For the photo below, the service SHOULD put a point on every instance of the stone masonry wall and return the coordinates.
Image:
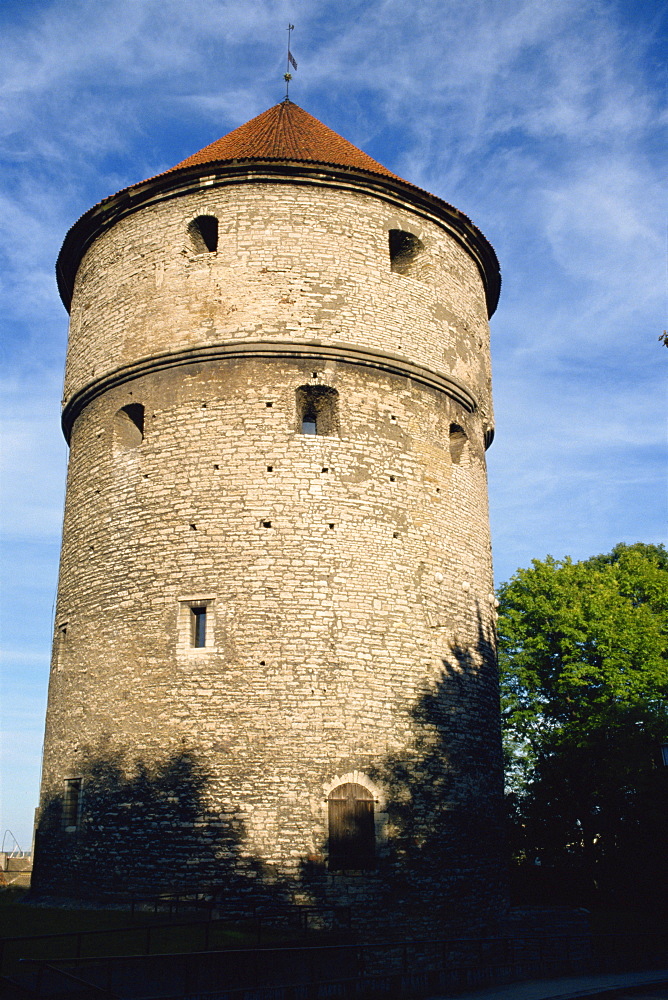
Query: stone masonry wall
(347, 577)
(293, 262)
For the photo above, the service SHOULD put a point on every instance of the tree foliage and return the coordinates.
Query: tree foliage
(583, 652)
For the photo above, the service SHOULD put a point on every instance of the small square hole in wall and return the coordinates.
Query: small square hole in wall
(216, 467)
(392, 479)
(270, 468)
(393, 419)
(331, 526)
(325, 469)
(266, 524)
(395, 534)
(268, 404)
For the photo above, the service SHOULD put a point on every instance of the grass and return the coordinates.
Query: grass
(18, 919)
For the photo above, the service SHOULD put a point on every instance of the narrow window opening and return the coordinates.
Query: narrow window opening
(405, 251)
(457, 443)
(203, 233)
(317, 410)
(72, 803)
(352, 835)
(61, 642)
(128, 430)
(198, 626)
(310, 421)
(196, 623)
(268, 404)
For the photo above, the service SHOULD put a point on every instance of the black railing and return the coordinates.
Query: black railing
(392, 969)
(311, 972)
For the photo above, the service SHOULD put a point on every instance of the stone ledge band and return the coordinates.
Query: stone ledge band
(393, 364)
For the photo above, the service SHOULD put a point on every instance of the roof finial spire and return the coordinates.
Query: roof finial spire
(287, 76)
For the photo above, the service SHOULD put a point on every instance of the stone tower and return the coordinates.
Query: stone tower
(273, 664)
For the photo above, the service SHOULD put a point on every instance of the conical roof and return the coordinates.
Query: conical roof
(285, 132)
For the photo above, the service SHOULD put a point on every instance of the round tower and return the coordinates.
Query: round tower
(273, 666)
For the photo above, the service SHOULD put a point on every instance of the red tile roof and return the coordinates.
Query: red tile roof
(285, 132)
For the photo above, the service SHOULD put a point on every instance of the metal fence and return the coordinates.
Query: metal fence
(191, 960)
(386, 969)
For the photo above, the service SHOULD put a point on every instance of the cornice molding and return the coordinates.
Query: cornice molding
(392, 364)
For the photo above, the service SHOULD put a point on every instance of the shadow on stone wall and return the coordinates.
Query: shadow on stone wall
(445, 847)
(149, 827)
(146, 827)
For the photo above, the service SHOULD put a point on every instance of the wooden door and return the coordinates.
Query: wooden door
(352, 835)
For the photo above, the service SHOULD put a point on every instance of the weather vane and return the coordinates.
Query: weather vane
(287, 76)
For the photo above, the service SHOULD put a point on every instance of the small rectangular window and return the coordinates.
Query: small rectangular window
(72, 803)
(196, 624)
(198, 621)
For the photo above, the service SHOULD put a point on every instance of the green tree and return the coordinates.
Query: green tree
(583, 653)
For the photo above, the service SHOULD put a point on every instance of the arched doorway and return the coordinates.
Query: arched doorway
(352, 834)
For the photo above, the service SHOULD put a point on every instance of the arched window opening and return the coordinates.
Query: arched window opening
(457, 443)
(352, 832)
(129, 427)
(317, 410)
(405, 251)
(203, 232)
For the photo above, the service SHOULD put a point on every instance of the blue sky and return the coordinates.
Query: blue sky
(543, 120)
